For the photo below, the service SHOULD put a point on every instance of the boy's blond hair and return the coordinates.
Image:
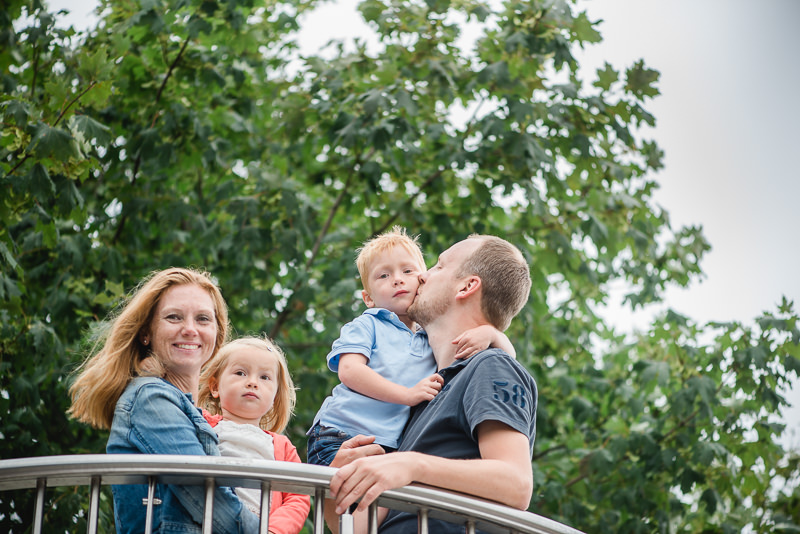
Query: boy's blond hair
(396, 237)
(277, 418)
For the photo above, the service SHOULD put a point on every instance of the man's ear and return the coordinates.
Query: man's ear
(469, 286)
(367, 299)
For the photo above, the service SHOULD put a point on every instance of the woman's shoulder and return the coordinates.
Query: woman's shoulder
(146, 386)
(138, 383)
(150, 397)
(149, 380)
(141, 382)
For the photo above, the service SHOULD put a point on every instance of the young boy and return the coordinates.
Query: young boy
(384, 361)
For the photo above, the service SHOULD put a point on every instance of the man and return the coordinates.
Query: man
(476, 436)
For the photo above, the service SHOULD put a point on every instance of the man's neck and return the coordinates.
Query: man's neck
(441, 336)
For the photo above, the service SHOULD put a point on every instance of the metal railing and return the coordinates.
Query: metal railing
(96, 470)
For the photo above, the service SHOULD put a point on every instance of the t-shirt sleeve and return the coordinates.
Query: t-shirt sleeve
(357, 336)
(504, 392)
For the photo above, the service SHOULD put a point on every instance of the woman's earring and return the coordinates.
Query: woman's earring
(145, 341)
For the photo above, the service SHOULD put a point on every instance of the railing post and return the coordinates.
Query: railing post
(346, 524)
(266, 494)
(422, 521)
(151, 495)
(373, 518)
(38, 514)
(94, 506)
(470, 527)
(208, 511)
(319, 510)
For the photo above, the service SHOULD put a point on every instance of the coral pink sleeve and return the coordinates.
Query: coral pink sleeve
(212, 419)
(288, 512)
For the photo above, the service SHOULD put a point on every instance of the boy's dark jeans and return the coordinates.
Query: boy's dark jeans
(323, 444)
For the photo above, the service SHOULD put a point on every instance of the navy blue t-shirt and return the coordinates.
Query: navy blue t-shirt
(490, 386)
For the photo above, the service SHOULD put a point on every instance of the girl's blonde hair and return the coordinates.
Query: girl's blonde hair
(277, 418)
(104, 375)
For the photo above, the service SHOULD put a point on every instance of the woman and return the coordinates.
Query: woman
(179, 318)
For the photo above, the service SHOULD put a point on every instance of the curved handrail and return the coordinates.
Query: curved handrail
(75, 470)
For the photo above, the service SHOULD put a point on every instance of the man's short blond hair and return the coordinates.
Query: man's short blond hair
(505, 276)
(396, 237)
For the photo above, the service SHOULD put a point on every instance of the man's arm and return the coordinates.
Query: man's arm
(355, 374)
(502, 474)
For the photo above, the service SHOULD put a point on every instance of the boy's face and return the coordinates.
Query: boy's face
(393, 281)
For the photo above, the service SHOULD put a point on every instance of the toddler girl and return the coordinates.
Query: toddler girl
(249, 397)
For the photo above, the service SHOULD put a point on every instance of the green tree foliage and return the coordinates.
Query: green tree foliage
(192, 132)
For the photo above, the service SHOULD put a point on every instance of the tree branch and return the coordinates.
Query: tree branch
(469, 125)
(58, 119)
(17, 166)
(72, 102)
(35, 72)
(283, 316)
(409, 201)
(157, 112)
(681, 424)
(548, 451)
(575, 480)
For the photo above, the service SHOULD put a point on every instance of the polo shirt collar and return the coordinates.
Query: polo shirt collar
(389, 316)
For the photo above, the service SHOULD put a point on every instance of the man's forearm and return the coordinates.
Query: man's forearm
(489, 479)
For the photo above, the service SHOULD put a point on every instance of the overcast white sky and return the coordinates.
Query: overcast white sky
(727, 119)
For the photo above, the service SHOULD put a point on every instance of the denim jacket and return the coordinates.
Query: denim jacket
(154, 417)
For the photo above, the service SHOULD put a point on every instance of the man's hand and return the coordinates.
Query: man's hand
(367, 478)
(355, 448)
(358, 447)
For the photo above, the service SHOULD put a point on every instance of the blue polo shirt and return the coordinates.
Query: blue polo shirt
(394, 352)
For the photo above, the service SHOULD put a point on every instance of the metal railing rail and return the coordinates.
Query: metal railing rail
(95, 470)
